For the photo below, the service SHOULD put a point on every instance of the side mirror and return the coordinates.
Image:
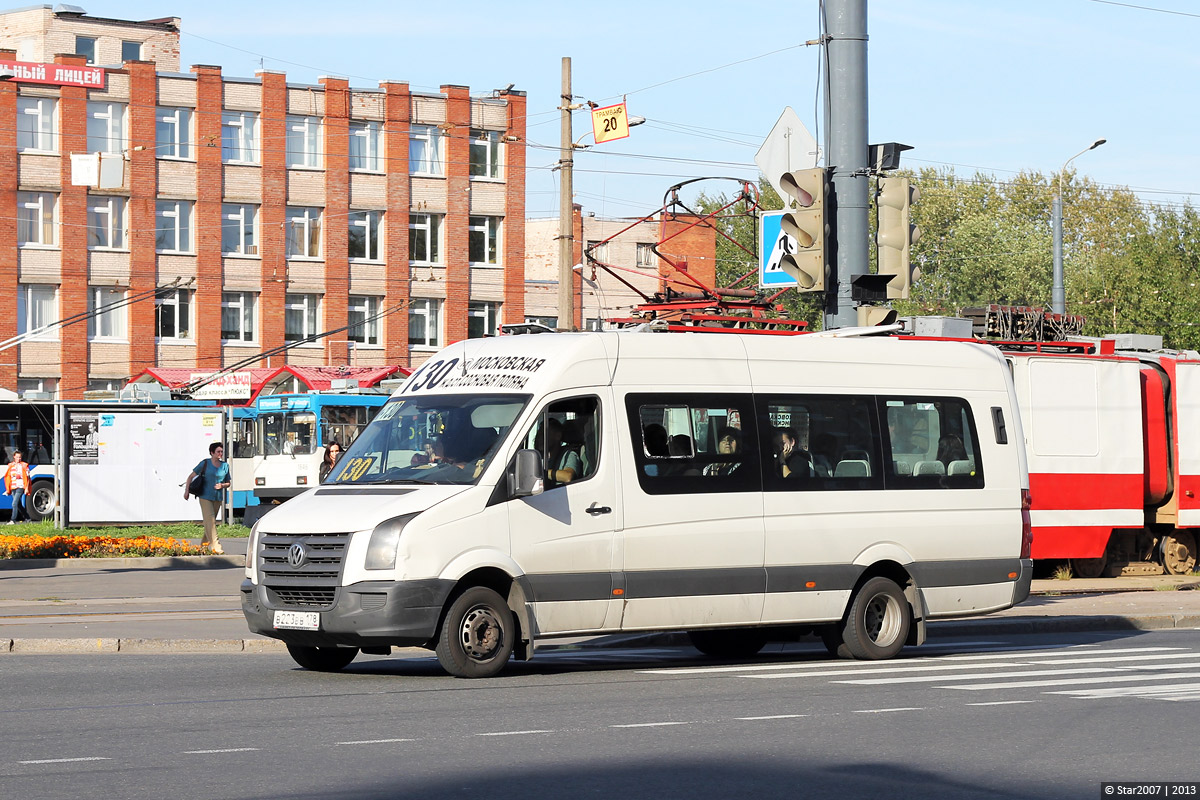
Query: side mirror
(527, 475)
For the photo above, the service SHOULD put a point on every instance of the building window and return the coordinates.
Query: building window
(364, 235)
(131, 51)
(237, 316)
(48, 386)
(300, 316)
(482, 319)
(598, 251)
(37, 307)
(35, 124)
(424, 324)
(107, 313)
(545, 322)
(364, 146)
(303, 142)
(425, 238)
(239, 137)
(483, 242)
(425, 150)
(35, 219)
(239, 229)
(173, 312)
(304, 233)
(106, 384)
(645, 256)
(106, 222)
(173, 129)
(174, 226)
(485, 154)
(364, 322)
(105, 127)
(86, 46)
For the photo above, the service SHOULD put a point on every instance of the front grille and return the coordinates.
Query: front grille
(311, 584)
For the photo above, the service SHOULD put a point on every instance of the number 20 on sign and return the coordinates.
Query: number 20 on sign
(609, 123)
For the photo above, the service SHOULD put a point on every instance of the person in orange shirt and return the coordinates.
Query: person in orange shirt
(16, 483)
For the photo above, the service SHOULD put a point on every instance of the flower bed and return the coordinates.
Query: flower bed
(95, 547)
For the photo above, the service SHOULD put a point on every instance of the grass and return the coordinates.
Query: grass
(1167, 587)
(42, 540)
(178, 530)
(1063, 573)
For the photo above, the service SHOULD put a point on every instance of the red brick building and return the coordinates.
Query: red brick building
(241, 214)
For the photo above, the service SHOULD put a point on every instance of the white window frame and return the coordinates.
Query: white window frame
(490, 228)
(309, 305)
(368, 135)
(112, 118)
(422, 308)
(47, 385)
(244, 304)
(239, 137)
(363, 313)
(174, 218)
(488, 311)
(44, 130)
(234, 215)
(373, 245)
(170, 298)
(37, 306)
(301, 223)
(107, 325)
(645, 257)
(303, 148)
(38, 210)
(428, 227)
(176, 122)
(140, 50)
(486, 156)
(106, 220)
(429, 139)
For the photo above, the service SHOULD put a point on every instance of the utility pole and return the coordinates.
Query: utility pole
(566, 209)
(846, 149)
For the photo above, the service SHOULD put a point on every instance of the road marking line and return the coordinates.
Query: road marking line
(378, 741)
(65, 760)
(649, 724)
(1184, 692)
(886, 710)
(226, 750)
(1124, 676)
(773, 716)
(859, 671)
(1002, 703)
(1093, 660)
(511, 733)
(986, 675)
(1121, 650)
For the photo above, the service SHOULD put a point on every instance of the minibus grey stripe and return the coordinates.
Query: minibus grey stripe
(826, 577)
(562, 587)
(930, 574)
(695, 582)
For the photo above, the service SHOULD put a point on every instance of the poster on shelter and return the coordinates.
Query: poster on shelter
(85, 438)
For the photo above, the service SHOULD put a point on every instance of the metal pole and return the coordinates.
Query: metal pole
(846, 146)
(1058, 296)
(566, 210)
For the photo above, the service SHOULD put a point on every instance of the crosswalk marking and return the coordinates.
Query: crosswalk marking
(976, 676)
(1124, 676)
(1187, 692)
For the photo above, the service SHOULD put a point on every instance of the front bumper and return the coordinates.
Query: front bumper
(366, 614)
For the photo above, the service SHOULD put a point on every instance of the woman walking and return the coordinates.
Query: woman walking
(16, 483)
(215, 472)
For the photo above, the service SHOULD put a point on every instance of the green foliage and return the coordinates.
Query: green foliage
(179, 530)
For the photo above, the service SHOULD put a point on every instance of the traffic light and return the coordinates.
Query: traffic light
(804, 221)
(896, 234)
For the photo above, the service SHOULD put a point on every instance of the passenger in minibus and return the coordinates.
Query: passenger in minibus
(951, 448)
(791, 460)
(562, 451)
(729, 443)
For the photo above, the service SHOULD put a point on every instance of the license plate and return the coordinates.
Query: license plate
(298, 620)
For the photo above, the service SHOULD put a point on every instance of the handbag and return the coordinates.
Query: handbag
(197, 484)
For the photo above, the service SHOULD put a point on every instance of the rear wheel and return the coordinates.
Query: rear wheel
(1179, 552)
(477, 635)
(1089, 567)
(738, 643)
(878, 622)
(322, 659)
(39, 504)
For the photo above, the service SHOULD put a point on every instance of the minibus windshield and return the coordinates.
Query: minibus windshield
(430, 439)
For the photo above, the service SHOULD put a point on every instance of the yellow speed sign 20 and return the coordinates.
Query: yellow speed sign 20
(610, 122)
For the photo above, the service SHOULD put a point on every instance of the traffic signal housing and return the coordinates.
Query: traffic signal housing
(896, 233)
(804, 220)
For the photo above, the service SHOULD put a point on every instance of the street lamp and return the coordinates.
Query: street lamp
(1058, 297)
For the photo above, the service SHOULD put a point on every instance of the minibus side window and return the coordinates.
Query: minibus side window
(694, 443)
(932, 443)
(567, 434)
(819, 443)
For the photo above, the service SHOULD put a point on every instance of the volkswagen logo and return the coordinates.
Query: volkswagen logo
(297, 555)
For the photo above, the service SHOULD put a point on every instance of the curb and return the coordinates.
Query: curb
(143, 646)
(133, 562)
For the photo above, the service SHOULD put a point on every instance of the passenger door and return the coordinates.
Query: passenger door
(563, 537)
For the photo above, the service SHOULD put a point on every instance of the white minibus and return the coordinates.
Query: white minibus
(740, 487)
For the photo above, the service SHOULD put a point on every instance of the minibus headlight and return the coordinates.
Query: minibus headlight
(381, 551)
(251, 546)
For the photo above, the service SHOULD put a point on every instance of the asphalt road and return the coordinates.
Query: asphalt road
(1040, 716)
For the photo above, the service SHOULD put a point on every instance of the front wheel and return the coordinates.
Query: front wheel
(39, 503)
(477, 635)
(322, 659)
(878, 622)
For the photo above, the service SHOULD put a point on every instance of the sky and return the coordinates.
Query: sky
(992, 86)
